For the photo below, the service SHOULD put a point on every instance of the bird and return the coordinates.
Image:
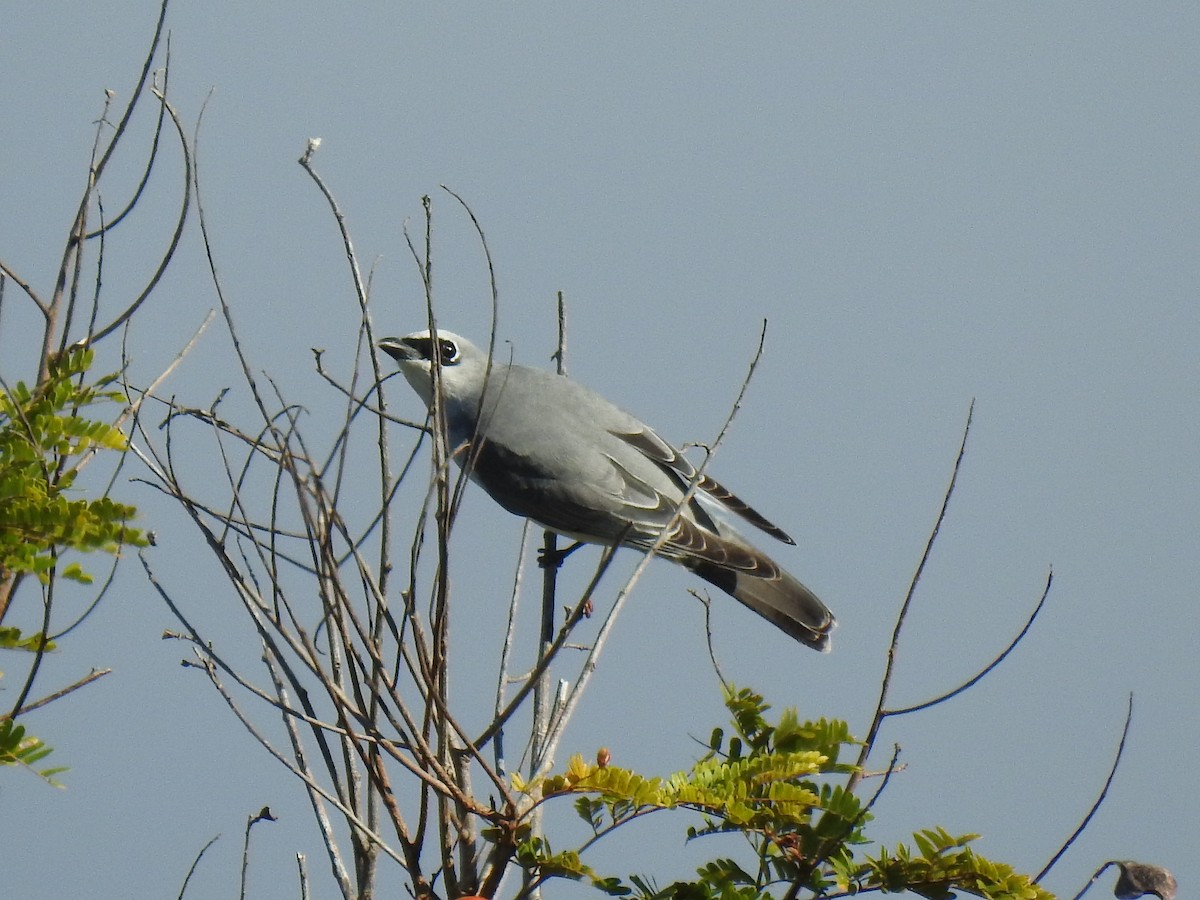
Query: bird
(549, 449)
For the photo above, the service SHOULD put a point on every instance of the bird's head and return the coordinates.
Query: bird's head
(463, 364)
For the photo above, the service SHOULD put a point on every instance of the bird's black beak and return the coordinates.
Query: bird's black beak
(397, 349)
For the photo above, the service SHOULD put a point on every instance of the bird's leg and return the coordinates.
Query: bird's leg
(548, 560)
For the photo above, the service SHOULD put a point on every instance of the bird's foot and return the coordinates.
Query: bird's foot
(552, 560)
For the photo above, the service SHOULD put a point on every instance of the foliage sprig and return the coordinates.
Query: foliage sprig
(774, 783)
(43, 439)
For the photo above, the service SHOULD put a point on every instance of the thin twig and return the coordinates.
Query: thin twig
(351, 817)
(706, 602)
(40, 653)
(970, 682)
(87, 679)
(195, 863)
(328, 836)
(506, 649)
(302, 874)
(136, 93)
(146, 172)
(169, 253)
(263, 815)
(886, 683)
(1099, 799)
(1091, 881)
(25, 286)
(564, 632)
(187, 348)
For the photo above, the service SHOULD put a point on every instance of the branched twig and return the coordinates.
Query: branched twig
(886, 683)
(312, 784)
(974, 679)
(136, 93)
(176, 236)
(564, 632)
(706, 602)
(150, 160)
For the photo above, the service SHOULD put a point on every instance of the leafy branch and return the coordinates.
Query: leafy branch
(44, 439)
(775, 783)
(54, 424)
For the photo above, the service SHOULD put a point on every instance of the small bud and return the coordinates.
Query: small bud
(603, 757)
(309, 150)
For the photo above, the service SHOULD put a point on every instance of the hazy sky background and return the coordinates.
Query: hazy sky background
(929, 203)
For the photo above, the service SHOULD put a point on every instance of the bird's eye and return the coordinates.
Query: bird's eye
(448, 351)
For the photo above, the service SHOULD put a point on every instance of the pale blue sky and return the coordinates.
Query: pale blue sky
(929, 203)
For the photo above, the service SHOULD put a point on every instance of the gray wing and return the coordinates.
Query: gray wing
(646, 441)
(559, 453)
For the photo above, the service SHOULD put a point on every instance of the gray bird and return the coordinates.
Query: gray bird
(553, 451)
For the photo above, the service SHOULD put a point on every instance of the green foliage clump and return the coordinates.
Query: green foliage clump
(778, 785)
(20, 749)
(43, 438)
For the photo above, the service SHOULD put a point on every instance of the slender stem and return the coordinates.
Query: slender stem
(1112, 772)
(893, 647)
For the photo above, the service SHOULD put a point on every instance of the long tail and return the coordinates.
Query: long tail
(783, 601)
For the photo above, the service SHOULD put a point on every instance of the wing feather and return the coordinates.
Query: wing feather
(653, 447)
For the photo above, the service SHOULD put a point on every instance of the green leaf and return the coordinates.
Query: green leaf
(76, 573)
(42, 432)
(20, 749)
(11, 639)
(778, 786)
(591, 811)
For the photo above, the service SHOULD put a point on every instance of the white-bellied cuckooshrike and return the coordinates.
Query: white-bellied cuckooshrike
(553, 451)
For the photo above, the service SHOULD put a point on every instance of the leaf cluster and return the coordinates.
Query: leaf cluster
(939, 864)
(777, 784)
(19, 749)
(44, 437)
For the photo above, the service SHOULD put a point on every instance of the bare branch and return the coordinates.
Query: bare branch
(24, 285)
(970, 682)
(149, 168)
(564, 632)
(312, 784)
(196, 862)
(169, 253)
(136, 93)
(263, 815)
(506, 650)
(1099, 799)
(94, 675)
(886, 683)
